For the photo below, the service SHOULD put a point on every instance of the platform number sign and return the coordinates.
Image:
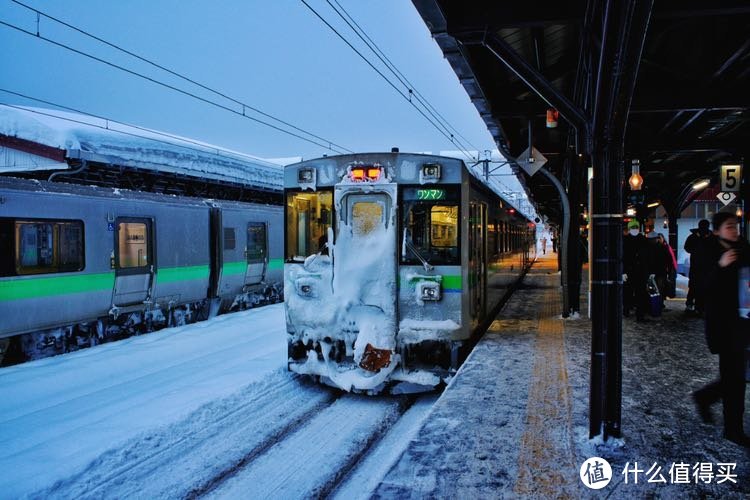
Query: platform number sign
(730, 178)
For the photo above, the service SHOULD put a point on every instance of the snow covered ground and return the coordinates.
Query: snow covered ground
(203, 410)
(59, 414)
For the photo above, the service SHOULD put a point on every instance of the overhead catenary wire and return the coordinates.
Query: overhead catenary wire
(360, 32)
(404, 95)
(327, 144)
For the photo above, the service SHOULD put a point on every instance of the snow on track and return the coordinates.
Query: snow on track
(365, 478)
(310, 462)
(179, 459)
(59, 414)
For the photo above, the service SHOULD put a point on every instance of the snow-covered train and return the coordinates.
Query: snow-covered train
(392, 262)
(81, 264)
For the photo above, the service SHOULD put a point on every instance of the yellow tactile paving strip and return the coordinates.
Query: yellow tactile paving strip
(546, 460)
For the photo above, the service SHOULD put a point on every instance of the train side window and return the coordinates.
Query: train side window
(308, 217)
(46, 247)
(70, 246)
(256, 242)
(230, 240)
(133, 245)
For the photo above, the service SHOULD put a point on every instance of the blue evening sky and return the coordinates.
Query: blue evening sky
(275, 55)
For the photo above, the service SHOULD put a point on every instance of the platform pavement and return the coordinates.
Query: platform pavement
(514, 421)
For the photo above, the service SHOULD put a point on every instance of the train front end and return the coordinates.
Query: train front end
(356, 310)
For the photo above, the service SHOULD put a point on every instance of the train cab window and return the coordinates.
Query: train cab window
(43, 246)
(308, 217)
(368, 215)
(230, 240)
(430, 225)
(256, 242)
(133, 245)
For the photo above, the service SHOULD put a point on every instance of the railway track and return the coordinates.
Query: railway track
(282, 437)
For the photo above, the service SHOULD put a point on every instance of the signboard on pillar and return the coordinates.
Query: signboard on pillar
(531, 161)
(726, 198)
(730, 178)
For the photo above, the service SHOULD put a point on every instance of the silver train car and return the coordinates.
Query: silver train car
(392, 263)
(82, 264)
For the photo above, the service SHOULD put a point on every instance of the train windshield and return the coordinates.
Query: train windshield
(308, 217)
(431, 225)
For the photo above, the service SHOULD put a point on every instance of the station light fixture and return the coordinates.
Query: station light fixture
(653, 205)
(738, 213)
(635, 181)
(552, 116)
(701, 184)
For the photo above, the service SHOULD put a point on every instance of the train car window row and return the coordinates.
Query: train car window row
(33, 246)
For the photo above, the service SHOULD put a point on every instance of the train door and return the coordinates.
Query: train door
(134, 260)
(478, 259)
(364, 262)
(256, 253)
(215, 250)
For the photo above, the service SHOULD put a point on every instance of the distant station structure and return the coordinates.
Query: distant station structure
(47, 144)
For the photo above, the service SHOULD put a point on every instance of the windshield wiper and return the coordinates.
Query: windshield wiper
(406, 243)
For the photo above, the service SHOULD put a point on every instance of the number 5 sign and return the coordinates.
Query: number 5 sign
(730, 177)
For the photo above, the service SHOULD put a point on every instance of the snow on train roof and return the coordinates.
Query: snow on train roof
(95, 139)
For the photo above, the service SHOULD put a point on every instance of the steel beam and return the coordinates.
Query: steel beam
(624, 32)
(533, 79)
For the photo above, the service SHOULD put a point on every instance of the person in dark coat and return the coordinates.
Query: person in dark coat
(698, 245)
(637, 266)
(662, 262)
(727, 326)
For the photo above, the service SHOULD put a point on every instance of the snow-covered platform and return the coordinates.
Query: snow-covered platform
(514, 421)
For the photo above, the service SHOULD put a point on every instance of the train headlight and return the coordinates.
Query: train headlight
(306, 176)
(306, 287)
(428, 291)
(361, 173)
(430, 173)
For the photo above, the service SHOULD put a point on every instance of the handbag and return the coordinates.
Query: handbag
(654, 297)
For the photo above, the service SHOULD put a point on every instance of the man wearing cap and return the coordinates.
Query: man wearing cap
(698, 245)
(636, 266)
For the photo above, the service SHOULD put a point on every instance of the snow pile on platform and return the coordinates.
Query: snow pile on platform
(95, 139)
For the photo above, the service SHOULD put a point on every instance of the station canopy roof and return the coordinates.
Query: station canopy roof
(689, 112)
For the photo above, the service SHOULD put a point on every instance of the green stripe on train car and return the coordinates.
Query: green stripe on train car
(452, 282)
(275, 264)
(235, 267)
(27, 288)
(187, 273)
(449, 282)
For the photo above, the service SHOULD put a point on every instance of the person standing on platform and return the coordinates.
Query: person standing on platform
(663, 263)
(727, 326)
(698, 246)
(637, 267)
(554, 243)
(544, 245)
